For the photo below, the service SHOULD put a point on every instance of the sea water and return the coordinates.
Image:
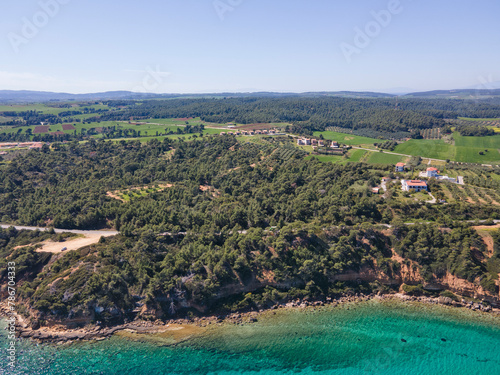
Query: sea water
(373, 337)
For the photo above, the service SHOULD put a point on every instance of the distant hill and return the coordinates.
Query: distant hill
(459, 94)
(23, 96)
(44, 96)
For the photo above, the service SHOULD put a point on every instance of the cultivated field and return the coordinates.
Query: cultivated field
(435, 149)
(383, 158)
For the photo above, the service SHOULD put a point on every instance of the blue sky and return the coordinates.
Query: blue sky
(191, 46)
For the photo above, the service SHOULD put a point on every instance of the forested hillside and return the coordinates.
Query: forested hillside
(217, 183)
(220, 225)
(315, 113)
(375, 117)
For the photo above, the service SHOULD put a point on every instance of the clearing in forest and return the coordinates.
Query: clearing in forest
(137, 192)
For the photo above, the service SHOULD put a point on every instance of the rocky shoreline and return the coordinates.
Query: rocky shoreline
(59, 334)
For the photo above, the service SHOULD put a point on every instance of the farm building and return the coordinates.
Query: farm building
(334, 145)
(417, 185)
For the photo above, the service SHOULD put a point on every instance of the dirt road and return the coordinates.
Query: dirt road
(85, 238)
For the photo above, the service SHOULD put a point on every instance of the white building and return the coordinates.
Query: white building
(432, 172)
(417, 185)
(400, 167)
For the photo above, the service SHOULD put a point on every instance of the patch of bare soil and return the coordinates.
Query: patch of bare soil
(488, 240)
(114, 196)
(49, 246)
(493, 201)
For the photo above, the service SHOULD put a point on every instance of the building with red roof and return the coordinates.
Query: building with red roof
(432, 172)
(417, 185)
(400, 167)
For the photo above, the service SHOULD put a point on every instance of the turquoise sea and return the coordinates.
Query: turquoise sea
(363, 338)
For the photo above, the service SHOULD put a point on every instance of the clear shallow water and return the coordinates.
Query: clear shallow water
(364, 338)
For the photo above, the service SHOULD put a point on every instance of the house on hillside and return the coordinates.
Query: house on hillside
(303, 142)
(400, 167)
(334, 144)
(417, 185)
(432, 172)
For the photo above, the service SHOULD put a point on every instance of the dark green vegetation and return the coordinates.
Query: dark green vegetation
(458, 252)
(315, 114)
(253, 186)
(243, 225)
(474, 131)
(349, 121)
(382, 117)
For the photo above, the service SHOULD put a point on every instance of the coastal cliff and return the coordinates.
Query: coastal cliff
(60, 290)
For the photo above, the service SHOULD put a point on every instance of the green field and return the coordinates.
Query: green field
(383, 158)
(347, 139)
(327, 158)
(478, 119)
(477, 142)
(468, 149)
(427, 148)
(356, 155)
